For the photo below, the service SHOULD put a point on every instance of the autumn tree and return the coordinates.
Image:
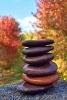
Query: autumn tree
(52, 14)
(30, 36)
(52, 23)
(9, 40)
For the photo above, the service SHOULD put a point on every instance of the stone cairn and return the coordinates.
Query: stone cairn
(40, 72)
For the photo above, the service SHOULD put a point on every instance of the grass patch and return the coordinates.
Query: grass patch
(15, 76)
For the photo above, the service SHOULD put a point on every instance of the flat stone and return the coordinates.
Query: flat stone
(37, 50)
(30, 88)
(41, 70)
(44, 80)
(38, 59)
(37, 43)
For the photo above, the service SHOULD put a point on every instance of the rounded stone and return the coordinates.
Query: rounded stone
(40, 70)
(38, 59)
(44, 80)
(25, 87)
(37, 43)
(37, 50)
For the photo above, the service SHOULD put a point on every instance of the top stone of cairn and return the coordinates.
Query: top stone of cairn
(37, 43)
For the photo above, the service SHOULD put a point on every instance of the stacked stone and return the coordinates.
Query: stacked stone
(40, 73)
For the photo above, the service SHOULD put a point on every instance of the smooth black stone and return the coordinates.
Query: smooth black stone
(42, 70)
(37, 50)
(37, 43)
(38, 59)
(25, 87)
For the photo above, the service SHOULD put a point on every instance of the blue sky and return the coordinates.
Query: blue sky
(20, 10)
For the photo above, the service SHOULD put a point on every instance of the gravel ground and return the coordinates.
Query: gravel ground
(58, 92)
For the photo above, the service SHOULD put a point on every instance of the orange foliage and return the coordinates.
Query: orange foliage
(9, 40)
(8, 33)
(52, 14)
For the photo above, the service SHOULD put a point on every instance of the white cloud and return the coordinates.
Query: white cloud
(25, 23)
